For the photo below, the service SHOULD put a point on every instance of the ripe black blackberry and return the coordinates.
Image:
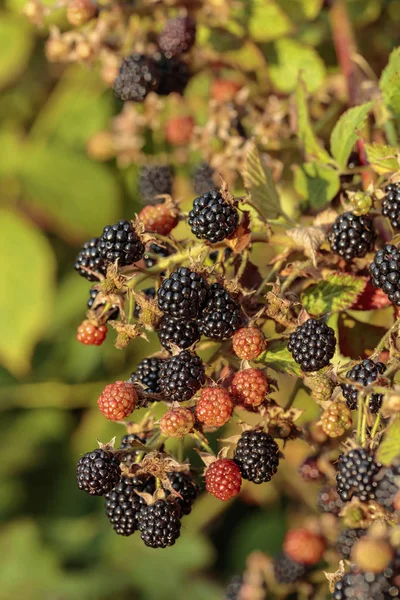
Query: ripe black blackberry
(123, 504)
(159, 524)
(173, 73)
(153, 181)
(92, 297)
(97, 472)
(362, 586)
(385, 272)
(366, 372)
(183, 294)
(89, 258)
(312, 345)
(287, 570)
(221, 316)
(257, 455)
(161, 251)
(388, 487)
(121, 242)
(181, 376)
(356, 471)
(175, 331)
(234, 588)
(212, 218)
(147, 373)
(187, 488)
(178, 36)
(138, 75)
(352, 236)
(391, 205)
(347, 539)
(203, 179)
(328, 501)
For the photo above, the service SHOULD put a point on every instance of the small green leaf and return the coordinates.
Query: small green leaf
(317, 183)
(247, 57)
(312, 147)
(336, 293)
(287, 58)
(344, 134)
(16, 41)
(278, 357)
(383, 159)
(389, 448)
(267, 21)
(301, 9)
(27, 290)
(258, 181)
(390, 83)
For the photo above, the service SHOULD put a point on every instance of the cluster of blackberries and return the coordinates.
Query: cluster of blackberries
(164, 72)
(366, 373)
(312, 345)
(99, 473)
(367, 585)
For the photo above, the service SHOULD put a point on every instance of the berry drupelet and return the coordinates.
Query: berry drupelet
(155, 180)
(159, 524)
(90, 258)
(138, 75)
(181, 376)
(180, 333)
(178, 36)
(287, 570)
(123, 505)
(356, 471)
(312, 345)
(391, 205)
(183, 294)
(257, 455)
(98, 472)
(147, 373)
(352, 236)
(385, 272)
(366, 373)
(221, 316)
(121, 242)
(212, 218)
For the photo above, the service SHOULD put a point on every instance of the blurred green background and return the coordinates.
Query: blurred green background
(55, 542)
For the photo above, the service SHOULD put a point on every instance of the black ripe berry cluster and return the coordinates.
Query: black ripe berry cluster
(257, 455)
(98, 472)
(147, 374)
(391, 205)
(181, 376)
(213, 218)
(366, 373)
(356, 475)
(385, 272)
(352, 236)
(312, 345)
(89, 260)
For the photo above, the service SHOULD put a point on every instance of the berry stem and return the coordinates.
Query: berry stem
(360, 416)
(297, 386)
(199, 438)
(296, 272)
(376, 426)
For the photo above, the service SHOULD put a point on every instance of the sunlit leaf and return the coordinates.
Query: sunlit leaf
(258, 180)
(16, 41)
(337, 292)
(383, 159)
(311, 145)
(287, 58)
(344, 134)
(317, 183)
(389, 448)
(390, 83)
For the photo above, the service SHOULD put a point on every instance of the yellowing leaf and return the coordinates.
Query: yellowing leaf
(27, 290)
(258, 181)
(309, 239)
(312, 147)
(336, 293)
(344, 134)
(389, 448)
(383, 159)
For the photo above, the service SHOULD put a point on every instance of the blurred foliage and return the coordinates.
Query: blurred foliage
(55, 541)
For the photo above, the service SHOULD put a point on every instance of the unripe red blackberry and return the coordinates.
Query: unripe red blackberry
(224, 90)
(385, 272)
(212, 218)
(352, 236)
(336, 419)
(117, 400)
(221, 315)
(177, 422)
(158, 218)
(312, 345)
(214, 407)
(90, 334)
(257, 455)
(89, 258)
(159, 524)
(138, 75)
(98, 472)
(179, 130)
(121, 242)
(248, 343)
(155, 180)
(147, 373)
(391, 205)
(178, 36)
(366, 373)
(183, 294)
(181, 376)
(304, 546)
(223, 479)
(177, 332)
(356, 471)
(286, 570)
(249, 387)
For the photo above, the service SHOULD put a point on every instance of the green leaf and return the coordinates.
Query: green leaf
(63, 184)
(27, 290)
(317, 183)
(267, 21)
(336, 293)
(312, 148)
(390, 83)
(278, 357)
(258, 180)
(301, 9)
(344, 134)
(16, 41)
(383, 159)
(389, 448)
(248, 57)
(287, 58)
